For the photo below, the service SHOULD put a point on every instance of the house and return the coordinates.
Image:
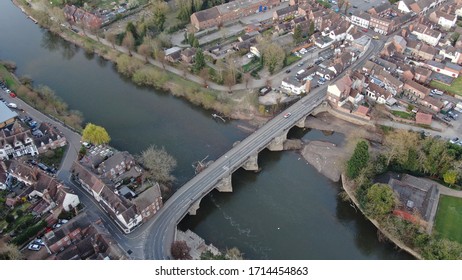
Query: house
(293, 86)
(421, 50)
(416, 89)
(188, 54)
(323, 42)
(452, 53)
(422, 6)
(431, 103)
(337, 93)
(426, 34)
(16, 142)
(443, 19)
(51, 139)
(382, 25)
(422, 75)
(285, 13)
(447, 69)
(55, 196)
(362, 111)
(6, 115)
(380, 9)
(340, 32)
(405, 6)
(377, 93)
(173, 54)
(230, 11)
(127, 214)
(418, 197)
(75, 15)
(422, 118)
(360, 19)
(82, 239)
(121, 163)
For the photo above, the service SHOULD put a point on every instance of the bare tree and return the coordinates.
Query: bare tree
(145, 50)
(158, 164)
(129, 42)
(111, 38)
(204, 74)
(246, 78)
(180, 250)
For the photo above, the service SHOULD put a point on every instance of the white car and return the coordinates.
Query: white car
(8, 91)
(34, 247)
(12, 105)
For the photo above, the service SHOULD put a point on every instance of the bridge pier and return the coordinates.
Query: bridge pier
(251, 164)
(224, 185)
(277, 144)
(194, 207)
(301, 123)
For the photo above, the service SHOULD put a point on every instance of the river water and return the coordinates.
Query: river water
(286, 211)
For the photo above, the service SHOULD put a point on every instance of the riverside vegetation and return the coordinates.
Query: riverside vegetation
(412, 153)
(148, 38)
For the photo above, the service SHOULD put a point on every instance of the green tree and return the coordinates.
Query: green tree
(159, 11)
(127, 65)
(95, 134)
(379, 200)
(199, 60)
(273, 57)
(358, 160)
(450, 177)
(298, 36)
(311, 28)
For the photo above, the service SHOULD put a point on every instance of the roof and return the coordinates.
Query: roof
(206, 15)
(381, 8)
(172, 50)
(87, 177)
(362, 110)
(287, 10)
(6, 113)
(418, 87)
(147, 198)
(422, 118)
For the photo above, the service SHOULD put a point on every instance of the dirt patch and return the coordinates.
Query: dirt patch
(293, 144)
(326, 157)
(325, 121)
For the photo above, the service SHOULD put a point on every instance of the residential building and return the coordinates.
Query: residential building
(422, 75)
(443, 19)
(230, 11)
(285, 13)
(75, 15)
(338, 93)
(293, 86)
(448, 68)
(360, 19)
(422, 118)
(7, 116)
(16, 142)
(51, 139)
(405, 5)
(416, 89)
(119, 166)
(380, 9)
(426, 34)
(173, 54)
(188, 54)
(452, 53)
(431, 103)
(421, 50)
(381, 25)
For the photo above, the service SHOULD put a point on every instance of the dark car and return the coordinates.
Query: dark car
(288, 71)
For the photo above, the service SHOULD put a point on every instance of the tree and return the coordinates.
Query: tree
(298, 36)
(358, 160)
(9, 251)
(159, 11)
(180, 250)
(233, 254)
(398, 145)
(204, 74)
(311, 30)
(379, 200)
(246, 79)
(111, 38)
(158, 164)
(127, 66)
(273, 57)
(199, 60)
(95, 134)
(129, 42)
(145, 50)
(184, 10)
(450, 177)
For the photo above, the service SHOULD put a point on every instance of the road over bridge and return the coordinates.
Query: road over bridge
(163, 226)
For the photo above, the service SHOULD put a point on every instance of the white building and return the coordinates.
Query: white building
(293, 86)
(426, 34)
(360, 19)
(16, 143)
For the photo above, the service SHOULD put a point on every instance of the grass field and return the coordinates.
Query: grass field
(449, 218)
(403, 115)
(455, 87)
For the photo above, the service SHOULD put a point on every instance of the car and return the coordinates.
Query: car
(288, 71)
(301, 64)
(12, 105)
(7, 90)
(56, 226)
(86, 145)
(447, 119)
(32, 123)
(365, 30)
(12, 94)
(34, 247)
(63, 221)
(375, 37)
(287, 115)
(454, 140)
(355, 7)
(38, 241)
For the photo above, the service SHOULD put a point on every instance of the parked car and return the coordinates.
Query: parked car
(32, 123)
(34, 247)
(12, 105)
(454, 140)
(12, 94)
(375, 37)
(288, 71)
(38, 241)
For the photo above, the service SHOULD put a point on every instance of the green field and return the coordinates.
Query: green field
(449, 218)
(403, 115)
(455, 87)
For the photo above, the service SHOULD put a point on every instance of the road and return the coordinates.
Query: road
(162, 227)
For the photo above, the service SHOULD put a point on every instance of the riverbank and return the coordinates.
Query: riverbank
(148, 72)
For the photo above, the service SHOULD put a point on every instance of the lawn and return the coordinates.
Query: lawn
(455, 87)
(291, 59)
(403, 115)
(449, 218)
(252, 65)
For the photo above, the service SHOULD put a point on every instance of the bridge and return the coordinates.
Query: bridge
(187, 199)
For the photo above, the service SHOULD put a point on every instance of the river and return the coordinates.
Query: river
(286, 211)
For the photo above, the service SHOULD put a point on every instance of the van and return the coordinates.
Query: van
(301, 72)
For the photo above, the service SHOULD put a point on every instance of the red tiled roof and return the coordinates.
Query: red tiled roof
(422, 118)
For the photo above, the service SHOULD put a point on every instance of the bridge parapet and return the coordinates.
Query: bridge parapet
(194, 207)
